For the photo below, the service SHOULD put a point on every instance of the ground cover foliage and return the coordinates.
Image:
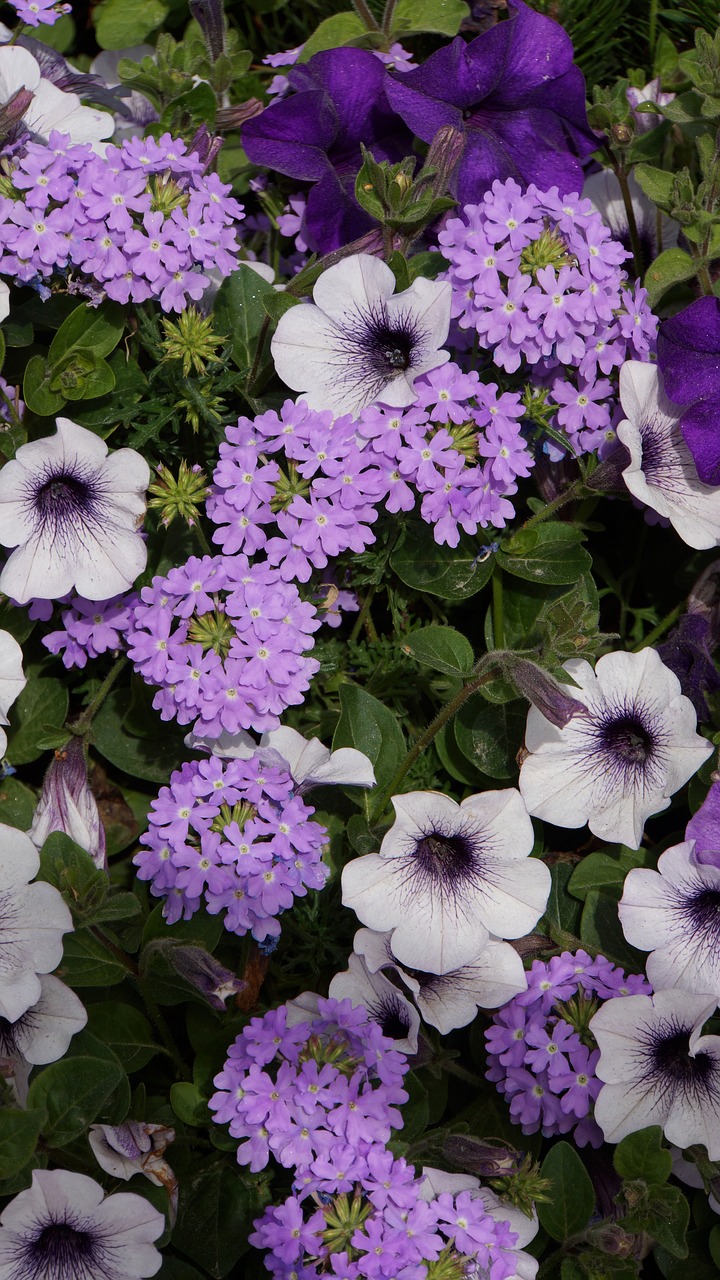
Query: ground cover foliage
(359, 505)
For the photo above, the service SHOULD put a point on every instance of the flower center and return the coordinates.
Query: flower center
(62, 1250)
(671, 1057)
(628, 738)
(64, 497)
(444, 858)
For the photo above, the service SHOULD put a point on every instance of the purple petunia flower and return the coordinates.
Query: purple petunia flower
(689, 360)
(315, 135)
(515, 94)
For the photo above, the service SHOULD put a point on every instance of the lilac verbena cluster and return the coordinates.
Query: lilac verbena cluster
(542, 1056)
(142, 222)
(235, 835)
(540, 279)
(305, 487)
(316, 1085)
(226, 641)
(91, 628)
(35, 12)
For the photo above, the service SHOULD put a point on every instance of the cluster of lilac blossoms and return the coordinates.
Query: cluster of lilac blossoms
(316, 1084)
(304, 486)
(540, 279)
(226, 641)
(143, 221)
(541, 1055)
(237, 836)
(89, 627)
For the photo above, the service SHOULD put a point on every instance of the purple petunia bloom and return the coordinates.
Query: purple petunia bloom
(315, 135)
(514, 93)
(689, 360)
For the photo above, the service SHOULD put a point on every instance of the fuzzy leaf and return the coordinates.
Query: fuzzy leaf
(441, 648)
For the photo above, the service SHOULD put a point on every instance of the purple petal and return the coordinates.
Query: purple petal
(331, 214)
(293, 136)
(689, 352)
(704, 828)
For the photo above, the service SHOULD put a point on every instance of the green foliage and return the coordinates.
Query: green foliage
(75, 368)
(572, 1198)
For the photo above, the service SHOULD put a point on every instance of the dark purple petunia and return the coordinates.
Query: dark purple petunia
(688, 652)
(689, 359)
(704, 828)
(516, 95)
(315, 135)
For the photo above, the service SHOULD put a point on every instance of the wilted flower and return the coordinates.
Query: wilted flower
(136, 1147)
(67, 804)
(72, 511)
(359, 342)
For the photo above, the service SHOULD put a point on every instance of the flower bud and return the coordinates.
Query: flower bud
(198, 967)
(210, 18)
(481, 1158)
(545, 693)
(67, 804)
(12, 111)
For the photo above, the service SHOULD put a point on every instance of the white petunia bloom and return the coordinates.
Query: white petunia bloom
(621, 761)
(448, 875)
(51, 108)
(358, 342)
(674, 913)
(393, 1012)
(43, 1032)
(33, 919)
(658, 1068)
(65, 1228)
(451, 1000)
(72, 511)
(309, 763)
(12, 680)
(605, 194)
(661, 472)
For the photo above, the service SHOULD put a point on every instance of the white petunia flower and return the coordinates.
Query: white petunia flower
(309, 763)
(448, 875)
(658, 1068)
(450, 1000)
(621, 761)
(43, 1032)
(33, 918)
(393, 1012)
(65, 1228)
(72, 511)
(358, 342)
(661, 472)
(12, 680)
(674, 913)
(51, 108)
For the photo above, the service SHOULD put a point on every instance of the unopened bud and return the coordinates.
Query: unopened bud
(233, 117)
(206, 147)
(444, 155)
(198, 967)
(210, 17)
(621, 134)
(544, 692)
(481, 1158)
(611, 1239)
(12, 111)
(67, 804)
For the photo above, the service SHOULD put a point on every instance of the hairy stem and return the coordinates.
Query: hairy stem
(82, 724)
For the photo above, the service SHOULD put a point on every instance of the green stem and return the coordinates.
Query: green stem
(662, 626)
(365, 618)
(497, 608)
(82, 724)
(652, 27)
(387, 18)
(621, 174)
(446, 713)
(365, 15)
(469, 1077)
(701, 271)
(570, 495)
(116, 952)
(199, 534)
(162, 1028)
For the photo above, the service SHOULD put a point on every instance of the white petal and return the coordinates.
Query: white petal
(355, 285)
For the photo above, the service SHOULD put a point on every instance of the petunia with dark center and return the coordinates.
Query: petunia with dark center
(446, 858)
(628, 738)
(62, 1251)
(66, 499)
(673, 1061)
(391, 1016)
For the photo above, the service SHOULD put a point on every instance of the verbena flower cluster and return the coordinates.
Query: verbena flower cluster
(144, 221)
(339, 472)
(316, 1085)
(235, 836)
(538, 276)
(91, 628)
(541, 1055)
(225, 641)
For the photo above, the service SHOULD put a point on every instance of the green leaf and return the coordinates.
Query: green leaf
(642, 1155)
(42, 704)
(72, 871)
(340, 29)
(151, 758)
(14, 618)
(452, 573)
(605, 871)
(441, 17)
(278, 302)
(548, 553)
(416, 1111)
(360, 836)
(99, 381)
(600, 930)
(572, 1196)
(86, 962)
(189, 1105)
(73, 1092)
(562, 910)
(176, 1269)
(125, 1030)
(17, 804)
(36, 392)
(441, 648)
(122, 23)
(214, 1215)
(490, 735)
(370, 727)
(666, 1217)
(656, 183)
(239, 312)
(94, 329)
(19, 1132)
(671, 267)
(202, 929)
